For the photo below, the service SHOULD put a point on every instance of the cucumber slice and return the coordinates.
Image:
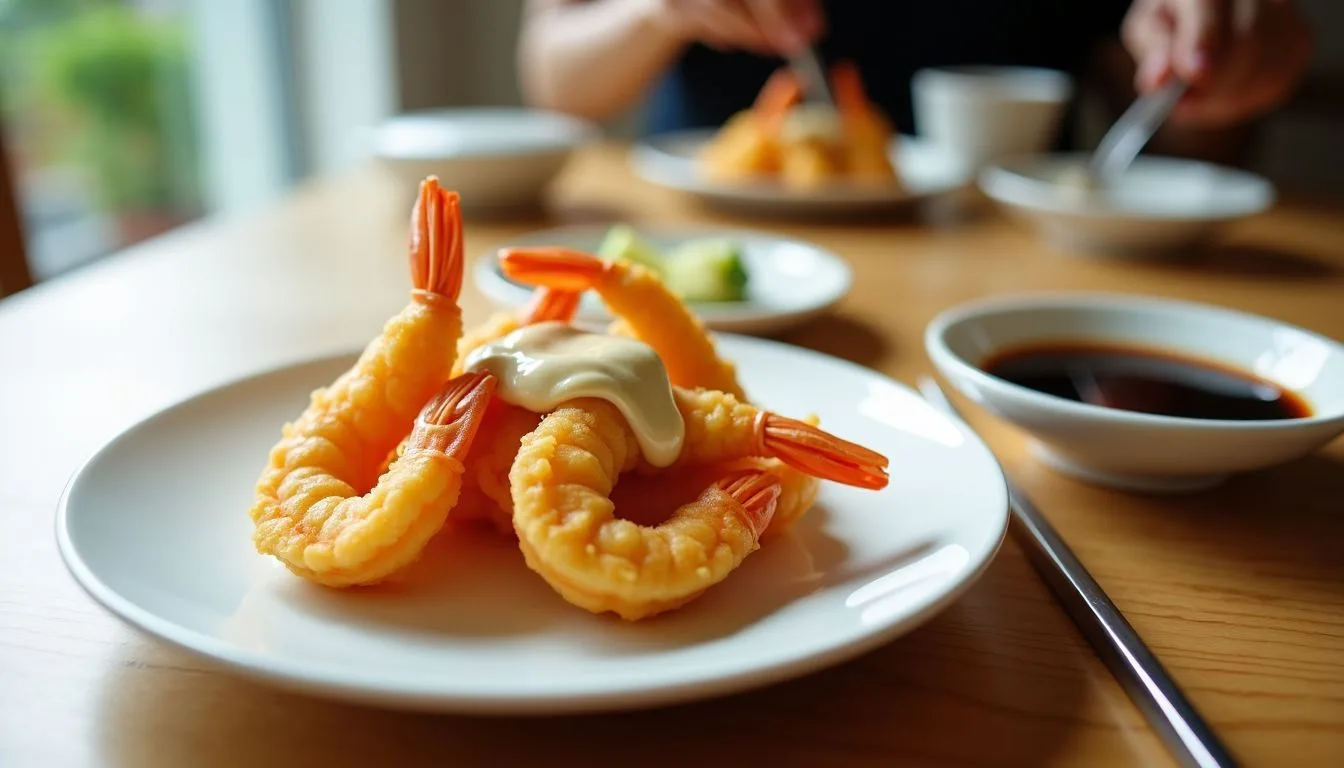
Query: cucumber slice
(623, 243)
(706, 270)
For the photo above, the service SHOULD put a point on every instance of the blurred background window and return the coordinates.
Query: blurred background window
(103, 142)
(124, 119)
(127, 118)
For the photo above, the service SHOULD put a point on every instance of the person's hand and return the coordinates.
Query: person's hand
(765, 27)
(1241, 58)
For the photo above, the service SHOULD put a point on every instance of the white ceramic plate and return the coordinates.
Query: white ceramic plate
(789, 281)
(1159, 206)
(669, 160)
(154, 526)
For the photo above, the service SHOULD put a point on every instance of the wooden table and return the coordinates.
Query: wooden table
(1239, 590)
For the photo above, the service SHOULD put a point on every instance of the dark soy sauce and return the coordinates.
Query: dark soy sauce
(1132, 378)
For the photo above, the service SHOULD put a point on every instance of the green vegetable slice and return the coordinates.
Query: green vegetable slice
(707, 270)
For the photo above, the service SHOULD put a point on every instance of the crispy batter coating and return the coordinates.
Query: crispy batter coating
(647, 310)
(566, 468)
(324, 506)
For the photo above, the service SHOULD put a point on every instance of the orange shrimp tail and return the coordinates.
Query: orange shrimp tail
(777, 96)
(758, 492)
(436, 244)
(820, 454)
(449, 421)
(551, 304)
(561, 268)
(847, 85)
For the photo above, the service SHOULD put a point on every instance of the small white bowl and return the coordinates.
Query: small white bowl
(978, 114)
(1138, 451)
(495, 157)
(1160, 206)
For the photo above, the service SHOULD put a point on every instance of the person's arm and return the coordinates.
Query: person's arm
(593, 59)
(1241, 60)
(1231, 144)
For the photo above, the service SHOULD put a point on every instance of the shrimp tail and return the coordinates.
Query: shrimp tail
(554, 267)
(436, 246)
(449, 421)
(551, 304)
(820, 454)
(847, 84)
(776, 97)
(757, 491)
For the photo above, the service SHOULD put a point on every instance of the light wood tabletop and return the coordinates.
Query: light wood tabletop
(1239, 590)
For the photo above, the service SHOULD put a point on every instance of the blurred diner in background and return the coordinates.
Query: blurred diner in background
(123, 119)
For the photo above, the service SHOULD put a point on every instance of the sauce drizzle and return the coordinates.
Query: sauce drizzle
(543, 365)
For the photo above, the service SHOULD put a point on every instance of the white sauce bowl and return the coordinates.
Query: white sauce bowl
(1139, 451)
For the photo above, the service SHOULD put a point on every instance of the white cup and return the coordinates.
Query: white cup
(980, 114)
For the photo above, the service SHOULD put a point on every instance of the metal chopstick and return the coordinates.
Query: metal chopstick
(1190, 740)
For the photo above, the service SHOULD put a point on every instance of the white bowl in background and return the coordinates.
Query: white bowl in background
(978, 114)
(495, 157)
(1139, 451)
(1160, 206)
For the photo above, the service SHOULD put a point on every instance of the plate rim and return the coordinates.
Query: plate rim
(308, 679)
(716, 318)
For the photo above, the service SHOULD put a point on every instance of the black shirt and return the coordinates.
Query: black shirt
(889, 40)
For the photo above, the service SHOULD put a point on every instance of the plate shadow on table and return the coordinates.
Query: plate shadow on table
(840, 336)
(1249, 260)
(979, 667)
(1248, 520)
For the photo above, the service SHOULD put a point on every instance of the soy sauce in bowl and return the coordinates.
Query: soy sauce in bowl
(1134, 378)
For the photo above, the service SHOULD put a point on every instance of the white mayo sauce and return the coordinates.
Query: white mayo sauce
(542, 365)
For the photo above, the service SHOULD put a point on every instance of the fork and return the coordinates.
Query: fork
(806, 63)
(1133, 130)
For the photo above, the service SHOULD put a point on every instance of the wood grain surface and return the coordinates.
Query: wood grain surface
(1239, 590)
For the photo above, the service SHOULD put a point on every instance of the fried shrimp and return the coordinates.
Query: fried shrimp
(322, 507)
(805, 146)
(660, 319)
(748, 143)
(567, 528)
(546, 304)
(504, 425)
(485, 490)
(644, 306)
(867, 131)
